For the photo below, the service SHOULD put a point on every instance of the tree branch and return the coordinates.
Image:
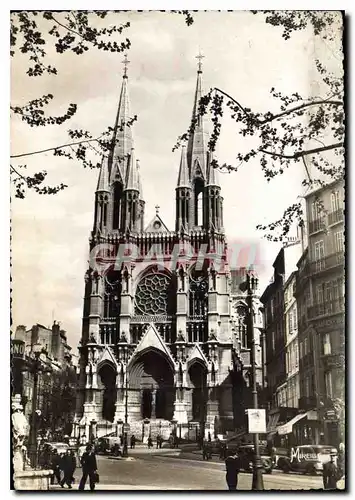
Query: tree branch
(279, 115)
(55, 147)
(301, 154)
(69, 29)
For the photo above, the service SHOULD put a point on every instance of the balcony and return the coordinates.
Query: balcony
(315, 225)
(335, 306)
(330, 262)
(332, 361)
(336, 216)
(307, 402)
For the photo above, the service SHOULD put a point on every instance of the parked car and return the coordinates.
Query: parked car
(246, 455)
(278, 455)
(308, 459)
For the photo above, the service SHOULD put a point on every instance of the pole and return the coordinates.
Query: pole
(258, 483)
(33, 429)
(126, 400)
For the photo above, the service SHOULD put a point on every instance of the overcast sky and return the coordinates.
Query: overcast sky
(243, 56)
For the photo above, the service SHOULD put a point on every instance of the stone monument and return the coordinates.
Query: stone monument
(24, 477)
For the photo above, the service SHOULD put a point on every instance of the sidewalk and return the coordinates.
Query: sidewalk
(103, 487)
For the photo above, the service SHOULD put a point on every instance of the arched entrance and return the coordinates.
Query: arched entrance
(107, 384)
(198, 379)
(152, 376)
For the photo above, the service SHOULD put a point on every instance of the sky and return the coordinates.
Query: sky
(243, 56)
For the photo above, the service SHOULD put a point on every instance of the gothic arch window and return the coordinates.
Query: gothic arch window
(155, 293)
(112, 293)
(198, 197)
(117, 198)
(198, 293)
(242, 325)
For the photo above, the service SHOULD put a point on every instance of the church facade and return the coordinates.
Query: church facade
(163, 345)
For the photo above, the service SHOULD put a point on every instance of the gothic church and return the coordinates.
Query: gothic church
(162, 342)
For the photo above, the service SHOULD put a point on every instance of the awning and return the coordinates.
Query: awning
(287, 428)
(272, 422)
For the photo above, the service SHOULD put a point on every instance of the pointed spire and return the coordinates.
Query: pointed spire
(139, 180)
(196, 147)
(102, 183)
(212, 177)
(183, 178)
(122, 134)
(132, 174)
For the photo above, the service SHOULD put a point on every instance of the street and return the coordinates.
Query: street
(162, 469)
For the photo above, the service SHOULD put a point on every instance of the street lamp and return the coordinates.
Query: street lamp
(250, 285)
(35, 369)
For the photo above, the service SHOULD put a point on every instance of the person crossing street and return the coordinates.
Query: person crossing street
(232, 470)
(89, 466)
(68, 466)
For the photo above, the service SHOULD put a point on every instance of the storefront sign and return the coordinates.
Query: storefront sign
(17, 348)
(256, 421)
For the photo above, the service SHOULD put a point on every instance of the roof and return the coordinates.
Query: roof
(156, 225)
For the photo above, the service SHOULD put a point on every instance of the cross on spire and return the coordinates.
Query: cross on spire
(200, 57)
(125, 63)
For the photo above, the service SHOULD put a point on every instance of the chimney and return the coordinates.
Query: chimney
(20, 333)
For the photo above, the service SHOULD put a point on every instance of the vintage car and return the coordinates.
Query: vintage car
(246, 455)
(308, 459)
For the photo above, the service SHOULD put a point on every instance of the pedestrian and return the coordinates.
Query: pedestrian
(209, 437)
(150, 443)
(223, 451)
(121, 439)
(341, 460)
(55, 466)
(158, 438)
(330, 473)
(89, 466)
(68, 466)
(133, 441)
(232, 470)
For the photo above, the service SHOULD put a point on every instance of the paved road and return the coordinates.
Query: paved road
(153, 471)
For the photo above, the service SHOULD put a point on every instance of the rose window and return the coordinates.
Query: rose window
(152, 294)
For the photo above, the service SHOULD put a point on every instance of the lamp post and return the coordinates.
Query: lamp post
(126, 400)
(32, 438)
(250, 285)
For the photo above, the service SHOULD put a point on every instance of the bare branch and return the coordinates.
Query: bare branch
(301, 154)
(56, 147)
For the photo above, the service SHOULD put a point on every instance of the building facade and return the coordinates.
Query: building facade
(320, 295)
(160, 347)
(55, 376)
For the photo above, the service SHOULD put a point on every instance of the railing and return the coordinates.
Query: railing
(197, 331)
(332, 361)
(108, 334)
(326, 263)
(160, 318)
(307, 402)
(315, 225)
(336, 216)
(324, 308)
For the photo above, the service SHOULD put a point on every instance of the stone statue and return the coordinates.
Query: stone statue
(20, 430)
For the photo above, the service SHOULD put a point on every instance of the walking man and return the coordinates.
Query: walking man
(232, 470)
(88, 462)
(55, 466)
(68, 467)
(133, 441)
(330, 474)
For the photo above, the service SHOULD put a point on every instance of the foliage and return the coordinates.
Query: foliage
(302, 131)
(59, 397)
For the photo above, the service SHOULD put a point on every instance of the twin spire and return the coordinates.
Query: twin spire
(120, 165)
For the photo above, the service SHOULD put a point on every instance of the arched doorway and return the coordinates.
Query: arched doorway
(107, 384)
(198, 379)
(152, 376)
